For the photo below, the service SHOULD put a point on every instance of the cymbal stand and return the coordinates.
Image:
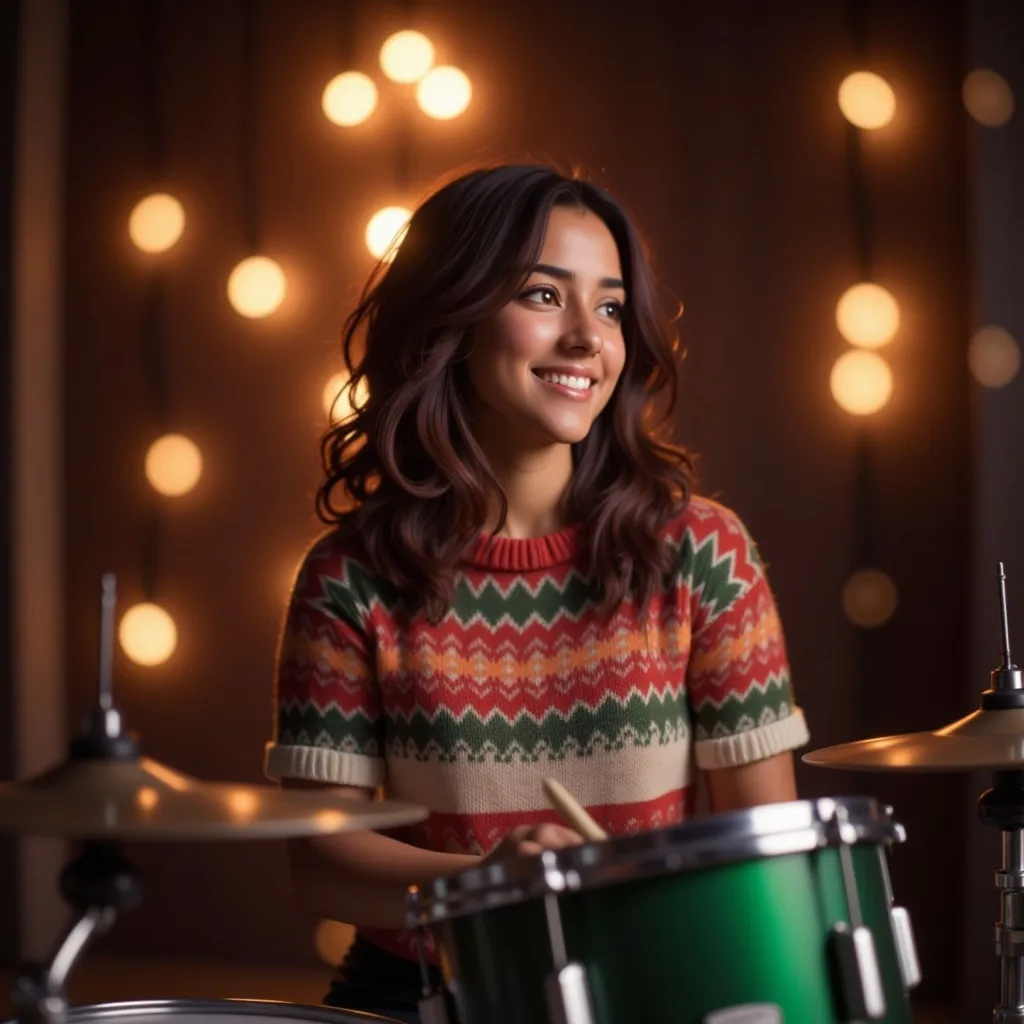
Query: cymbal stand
(1003, 807)
(98, 883)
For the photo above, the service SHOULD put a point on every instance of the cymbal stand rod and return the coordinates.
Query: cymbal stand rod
(1010, 929)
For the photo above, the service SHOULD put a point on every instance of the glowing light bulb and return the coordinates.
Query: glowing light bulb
(868, 315)
(156, 222)
(332, 940)
(406, 56)
(173, 465)
(867, 100)
(993, 357)
(256, 287)
(869, 598)
(349, 98)
(337, 397)
(444, 93)
(147, 634)
(988, 98)
(385, 231)
(861, 382)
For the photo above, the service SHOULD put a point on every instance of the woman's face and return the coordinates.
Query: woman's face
(545, 366)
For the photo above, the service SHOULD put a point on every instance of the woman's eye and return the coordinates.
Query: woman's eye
(544, 294)
(614, 310)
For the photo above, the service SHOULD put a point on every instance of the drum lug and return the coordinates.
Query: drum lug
(906, 948)
(568, 996)
(748, 1013)
(432, 1009)
(859, 974)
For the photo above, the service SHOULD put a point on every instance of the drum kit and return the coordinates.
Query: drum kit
(780, 914)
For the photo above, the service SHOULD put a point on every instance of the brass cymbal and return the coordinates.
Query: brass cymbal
(93, 798)
(980, 740)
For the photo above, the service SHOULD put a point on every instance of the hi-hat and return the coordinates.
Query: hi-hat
(100, 799)
(983, 739)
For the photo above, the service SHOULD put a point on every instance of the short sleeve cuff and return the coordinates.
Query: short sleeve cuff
(318, 764)
(754, 744)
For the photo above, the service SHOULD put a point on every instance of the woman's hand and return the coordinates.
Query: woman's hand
(529, 840)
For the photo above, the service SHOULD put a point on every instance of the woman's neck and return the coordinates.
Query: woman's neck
(534, 483)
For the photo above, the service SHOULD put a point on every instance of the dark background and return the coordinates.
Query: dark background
(716, 122)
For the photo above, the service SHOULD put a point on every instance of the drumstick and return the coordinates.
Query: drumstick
(572, 814)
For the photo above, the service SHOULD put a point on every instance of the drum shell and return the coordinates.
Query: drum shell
(681, 944)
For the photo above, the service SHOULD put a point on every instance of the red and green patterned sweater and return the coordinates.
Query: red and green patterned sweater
(524, 679)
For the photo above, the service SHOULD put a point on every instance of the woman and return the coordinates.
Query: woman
(517, 581)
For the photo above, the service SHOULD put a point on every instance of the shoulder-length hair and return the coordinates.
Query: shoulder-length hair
(404, 475)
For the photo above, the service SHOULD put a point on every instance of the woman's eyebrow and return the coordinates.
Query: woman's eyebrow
(570, 275)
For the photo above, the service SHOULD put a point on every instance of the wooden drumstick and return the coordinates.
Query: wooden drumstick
(572, 814)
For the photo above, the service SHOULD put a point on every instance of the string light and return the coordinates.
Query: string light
(337, 397)
(444, 93)
(156, 222)
(861, 382)
(868, 315)
(256, 287)
(406, 56)
(988, 97)
(867, 100)
(385, 231)
(147, 634)
(349, 98)
(993, 357)
(174, 465)
(869, 598)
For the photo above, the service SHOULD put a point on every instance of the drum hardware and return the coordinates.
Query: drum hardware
(566, 991)
(217, 1011)
(431, 1004)
(105, 792)
(902, 929)
(856, 956)
(752, 1013)
(991, 737)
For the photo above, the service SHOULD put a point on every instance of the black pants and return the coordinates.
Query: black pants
(376, 981)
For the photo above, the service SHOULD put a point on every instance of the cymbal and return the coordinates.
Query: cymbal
(982, 739)
(93, 798)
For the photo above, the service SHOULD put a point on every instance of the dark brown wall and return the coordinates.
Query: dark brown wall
(9, 22)
(717, 123)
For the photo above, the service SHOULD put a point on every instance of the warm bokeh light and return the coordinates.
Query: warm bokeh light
(869, 598)
(868, 315)
(147, 798)
(337, 397)
(147, 634)
(993, 357)
(387, 226)
(329, 821)
(173, 465)
(988, 98)
(256, 287)
(406, 56)
(349, 98)
(242, 804)
(444, 93)
(332, 939)
(156, 222)
(861, 382)
(867, 100)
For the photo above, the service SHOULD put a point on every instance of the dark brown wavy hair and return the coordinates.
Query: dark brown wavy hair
(404, 474)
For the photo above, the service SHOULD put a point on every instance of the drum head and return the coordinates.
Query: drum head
(216, 1011)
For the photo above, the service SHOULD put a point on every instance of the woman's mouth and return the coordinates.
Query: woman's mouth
(566, 384)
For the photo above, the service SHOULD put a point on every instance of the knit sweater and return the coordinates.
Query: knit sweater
(524, 678)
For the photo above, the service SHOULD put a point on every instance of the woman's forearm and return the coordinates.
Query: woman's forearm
(361, 878)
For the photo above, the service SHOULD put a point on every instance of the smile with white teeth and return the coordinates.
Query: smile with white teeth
(576, 383)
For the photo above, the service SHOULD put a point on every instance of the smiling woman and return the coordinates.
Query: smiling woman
(517, 582)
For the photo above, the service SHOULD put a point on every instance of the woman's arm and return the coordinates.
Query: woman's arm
(362, 877)
(770, 781)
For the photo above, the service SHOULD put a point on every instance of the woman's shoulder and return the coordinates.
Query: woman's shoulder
(336, 558)
(702, 519)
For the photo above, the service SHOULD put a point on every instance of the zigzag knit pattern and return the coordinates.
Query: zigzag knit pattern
(524, 678)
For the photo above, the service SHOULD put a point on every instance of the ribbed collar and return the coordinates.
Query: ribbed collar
(508, 554)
